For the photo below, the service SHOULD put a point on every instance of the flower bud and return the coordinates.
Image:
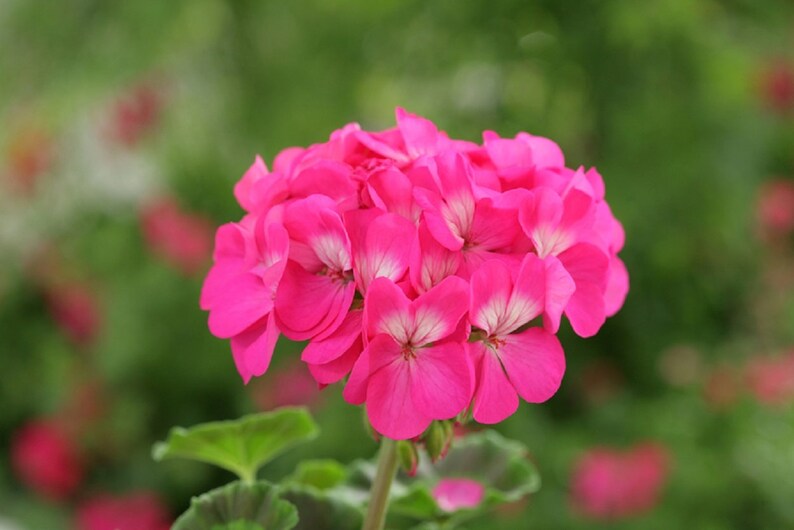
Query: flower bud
(408, 456)
(438, 439)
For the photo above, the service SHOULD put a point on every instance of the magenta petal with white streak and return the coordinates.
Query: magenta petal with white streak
(534, 362)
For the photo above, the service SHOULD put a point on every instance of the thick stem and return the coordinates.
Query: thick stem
(379, 494)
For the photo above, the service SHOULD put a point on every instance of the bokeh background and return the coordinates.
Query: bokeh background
(124, 125)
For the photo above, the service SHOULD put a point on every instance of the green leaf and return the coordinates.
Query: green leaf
(320, 474)
(322, 511)
(242, 446)
(239, 506)
(239, 525)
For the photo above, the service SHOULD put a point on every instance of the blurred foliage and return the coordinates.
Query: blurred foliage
(665, 97)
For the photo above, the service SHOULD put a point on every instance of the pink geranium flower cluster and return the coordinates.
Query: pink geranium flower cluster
(433, 273)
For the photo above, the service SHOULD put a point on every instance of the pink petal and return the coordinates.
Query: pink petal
(453, 494)
(381, 247)
(617, 286)
(272, 242)
(588, 267)
(286, 159)
(491, 288)
(544, 208)
(214, 287)
(436, 224)
(310, 305)
(384, 145)
(387, 310)
(355, 391)
(493, 228)
(430, 261)
(392, 191)
(528, 295)
(559, 289)
(420, 134)
(438, 311)
(242, 190)
(441, 380)
(335, 370)
(390, 407)
(495, 398)
(337, 343)
(326, 177)
(229, 242)
(244, 300)
(506, 152)
(253, 348)
(534, 362)
(545, 152)
(579, 214)
(314, 223)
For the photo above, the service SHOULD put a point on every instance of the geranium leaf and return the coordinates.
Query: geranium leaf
(243, 445)
(320, 474)
(319, 510)
(239, 506)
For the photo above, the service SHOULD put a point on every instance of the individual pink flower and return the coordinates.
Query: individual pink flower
(317, 289)
(609, 484)
(75, 309)
(453, 494)
(461, 222)
(508, 363)
(46, 460)
(560, 229)
(141, 510)
(415, 368)
(182, 239)
(771, 378)
(240, 291)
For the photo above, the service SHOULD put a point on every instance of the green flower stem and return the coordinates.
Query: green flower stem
(379, 494)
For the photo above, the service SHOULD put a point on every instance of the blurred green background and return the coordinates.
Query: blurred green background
(114, 115)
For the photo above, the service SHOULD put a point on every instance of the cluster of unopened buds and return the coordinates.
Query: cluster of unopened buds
(430, 273)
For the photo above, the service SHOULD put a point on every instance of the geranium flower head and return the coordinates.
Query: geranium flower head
(432, 273)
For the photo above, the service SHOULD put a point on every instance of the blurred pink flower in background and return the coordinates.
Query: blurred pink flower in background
(290, 385)
(777, 86)
(134, 114)
(75, 309)
(46, 460)
(775, 209)
(611, 484)
(182, 239)
(141, 510)
(453, 494)
(771, 378)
